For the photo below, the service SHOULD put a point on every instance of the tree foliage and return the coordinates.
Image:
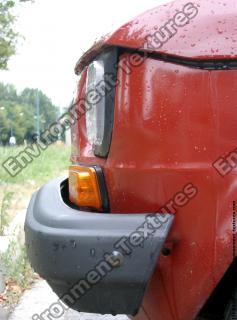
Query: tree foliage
(18, 113)
(8, 36)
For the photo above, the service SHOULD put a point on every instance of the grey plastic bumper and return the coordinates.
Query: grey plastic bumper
(95, 262)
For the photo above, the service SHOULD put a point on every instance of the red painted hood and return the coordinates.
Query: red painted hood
(210, 34)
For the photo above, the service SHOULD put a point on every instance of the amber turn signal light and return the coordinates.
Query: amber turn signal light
(84, 189)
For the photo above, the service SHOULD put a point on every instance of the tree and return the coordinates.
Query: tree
(18, 113)
(8, 37)
(48, 112)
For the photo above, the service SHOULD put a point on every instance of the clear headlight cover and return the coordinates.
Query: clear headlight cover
(95, 115)
(100, 96)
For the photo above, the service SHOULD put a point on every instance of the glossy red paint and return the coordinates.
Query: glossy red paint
(211, 34)
(171, 123)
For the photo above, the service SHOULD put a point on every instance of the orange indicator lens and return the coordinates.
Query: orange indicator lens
(84, 189)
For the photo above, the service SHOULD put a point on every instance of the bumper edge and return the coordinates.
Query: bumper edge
(89, 259)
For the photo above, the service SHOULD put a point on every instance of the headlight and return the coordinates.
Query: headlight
(100, 92)
(96, 111)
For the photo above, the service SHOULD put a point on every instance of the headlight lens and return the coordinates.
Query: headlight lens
(100, 93)
(95, 115)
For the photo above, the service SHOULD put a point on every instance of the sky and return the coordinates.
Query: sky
(56, 33)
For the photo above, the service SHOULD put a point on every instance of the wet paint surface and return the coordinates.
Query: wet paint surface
(171, 123)
(210, 34)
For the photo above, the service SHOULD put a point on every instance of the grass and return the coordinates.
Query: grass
(51, 163)
(17, 272)
(15, 193)
(4, 216)
(16, 265)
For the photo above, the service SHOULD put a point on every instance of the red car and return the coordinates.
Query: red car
(145, 225)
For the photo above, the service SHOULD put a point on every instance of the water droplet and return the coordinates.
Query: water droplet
(92, 252)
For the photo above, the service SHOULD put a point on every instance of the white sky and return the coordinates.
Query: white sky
(56, 34)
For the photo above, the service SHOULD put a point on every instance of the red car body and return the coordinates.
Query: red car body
(171, 123)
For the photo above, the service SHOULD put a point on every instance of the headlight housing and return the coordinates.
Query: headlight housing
(100, 93)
